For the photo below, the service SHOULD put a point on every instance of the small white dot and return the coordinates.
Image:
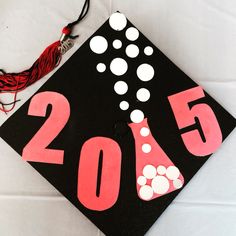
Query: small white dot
(146, 192)
(117, 44)
(143, 95)
(145, 72)
(146, 148)
(98, 44)
(132, 33)
(161, 170)
(117, 21)
(120, 87)
(160, 184)
(141, 180)
(177, 183)
(149, 171)
(148, 50)
(172, 172)
(144, 132)
(132, 51)
(124, 105)
(136, 116)
(101, 67)
(118, 66)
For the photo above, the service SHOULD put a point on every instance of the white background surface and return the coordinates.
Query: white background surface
(197, 35)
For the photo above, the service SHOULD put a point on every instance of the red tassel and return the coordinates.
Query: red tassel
(14, 82)
(48, 60)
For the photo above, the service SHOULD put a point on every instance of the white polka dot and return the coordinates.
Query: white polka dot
(148, 50)
(149, 171)
(132, 51)
(124, 105)
(172, 172)
(144, 132)
(161, 170)
(118, 66)
(136, 116)
(98, 44)
(141, 180)
(101, 67)
(121, 87)
(177, 183)
(146, 192)
(132, 33)
(117, 21)
(160, 184)
(117, 44)
(143, 95)
(145, 72)
(146, 148)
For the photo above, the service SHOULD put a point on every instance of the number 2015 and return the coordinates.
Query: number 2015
(36, 149)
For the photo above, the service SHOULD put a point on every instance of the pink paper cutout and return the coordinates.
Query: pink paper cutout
(156, 157)
(88, 173)
(36, 150)
(185, 116)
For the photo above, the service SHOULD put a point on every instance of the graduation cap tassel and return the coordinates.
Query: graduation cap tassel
(48, 60)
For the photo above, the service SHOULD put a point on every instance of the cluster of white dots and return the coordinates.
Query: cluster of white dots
(119, 66)
(154, 179)
(160, 179)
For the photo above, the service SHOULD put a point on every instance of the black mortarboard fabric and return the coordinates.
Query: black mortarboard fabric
(119, 130)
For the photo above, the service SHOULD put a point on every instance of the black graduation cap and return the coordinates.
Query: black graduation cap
(119, 130)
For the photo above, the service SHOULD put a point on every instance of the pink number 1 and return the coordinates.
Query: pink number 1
(202, 113)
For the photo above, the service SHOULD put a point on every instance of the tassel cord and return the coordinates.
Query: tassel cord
(48, 60)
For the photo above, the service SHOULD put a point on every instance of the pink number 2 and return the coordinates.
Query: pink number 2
(199, 113)
(36, 150)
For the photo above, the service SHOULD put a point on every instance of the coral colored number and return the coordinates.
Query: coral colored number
(88, 173)
(186, 116)
(36, 150)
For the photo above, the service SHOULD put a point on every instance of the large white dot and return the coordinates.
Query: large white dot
(141, 180)
(161, 170)
(172, 172)
(132, 33)
(145, 72)
(117, 21)
(98, 44)
(177, 183)
(136, 116)
(146, 148)
(132, 51)
(120, 87)
(124, 105)
(143, 95)
(118, 66)
(101, 67)
(117, 44)
(144, 132)
(148, 50)
(149, 171)
(146, 192)
(160, 184)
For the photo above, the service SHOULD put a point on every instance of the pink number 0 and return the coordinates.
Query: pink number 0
(110, 173)
(185, 117)
(36, 150)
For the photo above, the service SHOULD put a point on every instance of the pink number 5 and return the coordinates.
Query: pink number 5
(202, 113)
(36, 150)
